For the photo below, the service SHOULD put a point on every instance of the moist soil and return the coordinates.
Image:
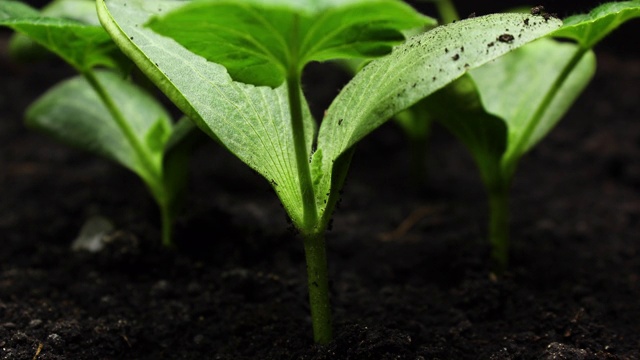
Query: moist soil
(410, 275)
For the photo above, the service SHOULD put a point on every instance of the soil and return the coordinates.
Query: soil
(410, 275)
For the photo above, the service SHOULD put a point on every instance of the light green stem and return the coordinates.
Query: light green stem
(167, 224)
(310, 212)
(318, 281)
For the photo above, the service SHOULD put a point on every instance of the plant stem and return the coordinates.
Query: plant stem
(309, 209)
(167, 224)
(311, 229)
(318, 282)
(499, 226)
(310, 212)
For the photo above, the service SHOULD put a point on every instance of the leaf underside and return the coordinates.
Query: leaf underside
(416, 69)
(252, 122)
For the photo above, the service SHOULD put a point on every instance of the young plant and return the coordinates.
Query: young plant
(503, 109)
(102, 112)
(234, 68)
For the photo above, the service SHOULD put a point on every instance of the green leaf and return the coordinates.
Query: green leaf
(259, 42)
(251, 122)
(73, 113)
(82, 46)
(515, 86)
(589, 29)
(416, 69)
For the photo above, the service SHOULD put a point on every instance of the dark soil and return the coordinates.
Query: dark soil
(236, 287)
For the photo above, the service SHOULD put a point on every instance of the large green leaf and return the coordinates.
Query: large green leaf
(589, 29)
(81, 45)
(252, 122)
(260, 42)
(514, 87)
(73, 113)
(416, 69)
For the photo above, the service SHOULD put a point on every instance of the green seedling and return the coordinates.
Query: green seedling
(102, 112)
(234, 68)
(502, 110)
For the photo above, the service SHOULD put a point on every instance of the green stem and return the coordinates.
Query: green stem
(499, 226)
(447, 11)
(311, 229)
(309, 210)
(318, 281)
(167, 224)
(510, 159)
(152, 174)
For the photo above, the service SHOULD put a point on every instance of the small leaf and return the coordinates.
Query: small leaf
(73, 113)
(589, 29)
(82, 46)
(260, 42)
(514, 86)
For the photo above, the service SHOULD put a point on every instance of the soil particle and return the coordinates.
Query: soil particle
(505, 38)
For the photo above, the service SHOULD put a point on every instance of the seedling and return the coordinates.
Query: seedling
(503, 109)
(234, 68)
(103, 113)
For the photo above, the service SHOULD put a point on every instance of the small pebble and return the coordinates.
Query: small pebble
(35, 323)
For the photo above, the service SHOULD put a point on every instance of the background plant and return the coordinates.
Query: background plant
(100, 110)
(503, 109)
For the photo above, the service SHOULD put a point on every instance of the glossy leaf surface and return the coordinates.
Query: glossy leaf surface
(260, 42)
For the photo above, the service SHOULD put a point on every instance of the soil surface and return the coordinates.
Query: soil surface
(410, 275)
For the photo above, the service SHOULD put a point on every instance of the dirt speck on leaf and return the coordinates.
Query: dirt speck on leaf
(505, 38)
